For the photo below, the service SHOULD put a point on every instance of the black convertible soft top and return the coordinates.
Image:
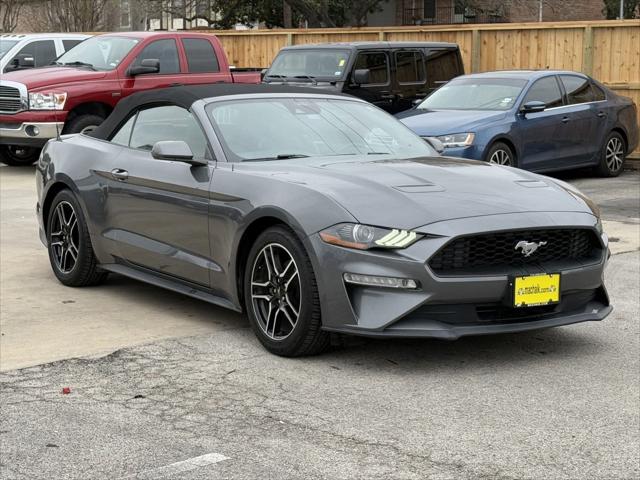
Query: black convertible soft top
(186, 95)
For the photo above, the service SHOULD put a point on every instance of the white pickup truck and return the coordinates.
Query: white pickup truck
(20, 51)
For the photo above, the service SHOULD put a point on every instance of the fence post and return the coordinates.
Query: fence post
(382, 35)
(587, 54)
(475, 50)
(289, 38)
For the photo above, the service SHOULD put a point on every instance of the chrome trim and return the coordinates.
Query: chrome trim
(47, 130)
(24, 96)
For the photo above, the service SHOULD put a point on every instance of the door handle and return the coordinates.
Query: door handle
(565, 119)
(119, 174)
(601, 114)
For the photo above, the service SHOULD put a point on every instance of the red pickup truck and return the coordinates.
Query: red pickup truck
(80, 89)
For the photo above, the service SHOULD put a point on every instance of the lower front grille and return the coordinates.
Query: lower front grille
(496, 253)
(498, 313)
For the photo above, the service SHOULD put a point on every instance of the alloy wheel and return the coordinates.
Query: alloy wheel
(500, 157)
(614, 154)
(276, 291)
(65, 237)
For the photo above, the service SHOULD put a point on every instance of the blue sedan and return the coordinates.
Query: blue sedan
(536, 120)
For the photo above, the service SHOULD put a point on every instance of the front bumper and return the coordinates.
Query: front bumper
(450, 307)
(31, 128)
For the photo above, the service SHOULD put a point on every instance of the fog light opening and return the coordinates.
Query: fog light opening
(32, 131)
(377, 281)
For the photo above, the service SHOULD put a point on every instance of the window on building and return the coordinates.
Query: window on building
(125, 13)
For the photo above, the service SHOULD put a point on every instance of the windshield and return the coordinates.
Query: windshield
(317, 63)
(5, 46)
(287, 128)
(101, 53)
(475, 94)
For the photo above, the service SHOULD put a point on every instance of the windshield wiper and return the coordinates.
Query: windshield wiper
(378, 153)
(310, 77)
(281, 156)
(271, 75)
(78, 64)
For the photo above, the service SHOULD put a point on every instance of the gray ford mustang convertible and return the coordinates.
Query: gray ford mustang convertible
(316, 213)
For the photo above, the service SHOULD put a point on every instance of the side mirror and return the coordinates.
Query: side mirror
(148, 65)
(176, 150)
(23, 61)
(532, 107)
(361, 76)
(417, 101)
(263, 72)
(437, 145)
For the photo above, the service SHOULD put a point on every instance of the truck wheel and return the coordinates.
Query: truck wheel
(83, 123)
(17, 156)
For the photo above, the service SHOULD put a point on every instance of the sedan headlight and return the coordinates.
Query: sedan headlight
(456, 140)
(47, 100)
(365, 237)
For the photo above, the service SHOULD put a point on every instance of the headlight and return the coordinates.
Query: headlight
(47, 100)
(456, 140)
(364, 237)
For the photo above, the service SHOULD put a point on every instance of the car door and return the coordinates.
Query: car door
(202, 63)
(379, 90)
(43, 53)
(586, 140)
(171, 71)
(158, 209)
(544, 137)
(410, 78)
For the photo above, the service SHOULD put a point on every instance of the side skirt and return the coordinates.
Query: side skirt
(170, 284)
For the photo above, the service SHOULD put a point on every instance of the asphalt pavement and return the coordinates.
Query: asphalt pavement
(163, 386)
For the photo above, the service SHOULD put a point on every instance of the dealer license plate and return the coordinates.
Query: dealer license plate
(536, 290)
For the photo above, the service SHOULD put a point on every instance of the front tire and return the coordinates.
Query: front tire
(83, 124)
(18, 156)
(612, 156)
(69, 245)
(501, 154)
(281, 295)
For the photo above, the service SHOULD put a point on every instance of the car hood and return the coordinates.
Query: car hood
(442, 122)
(35, 78)
(409, 193)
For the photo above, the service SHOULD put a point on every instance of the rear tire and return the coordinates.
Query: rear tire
(612, 156)
(501, 154)
(69, 245)
(18, 156)
(83, 123)
(281, 295)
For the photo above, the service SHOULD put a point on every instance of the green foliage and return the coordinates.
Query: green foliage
(612, 9)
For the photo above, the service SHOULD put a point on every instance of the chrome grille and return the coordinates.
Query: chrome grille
(11, 100)
(495, 253)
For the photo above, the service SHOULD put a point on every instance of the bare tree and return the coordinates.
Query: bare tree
(10, 14)
(75, 15)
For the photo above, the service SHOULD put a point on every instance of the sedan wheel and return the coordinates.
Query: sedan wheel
(612, 156)
(276, 291)
(615, 154)
(500, 157)
(281, 295)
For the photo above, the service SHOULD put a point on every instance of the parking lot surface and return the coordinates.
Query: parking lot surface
(163, 386)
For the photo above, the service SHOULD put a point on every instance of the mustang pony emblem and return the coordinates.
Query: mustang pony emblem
(528, 247)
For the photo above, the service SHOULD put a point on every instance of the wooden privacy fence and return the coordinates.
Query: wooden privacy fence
(607, 50)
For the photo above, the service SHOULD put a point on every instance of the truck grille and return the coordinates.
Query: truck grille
(495, 253)
(10, 99)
